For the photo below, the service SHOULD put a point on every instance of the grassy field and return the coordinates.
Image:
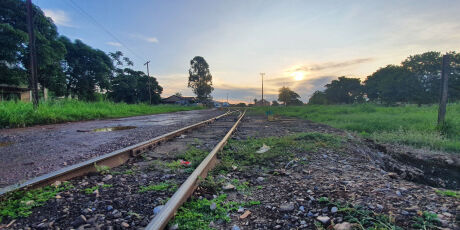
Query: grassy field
(21, 114)
(408, 125)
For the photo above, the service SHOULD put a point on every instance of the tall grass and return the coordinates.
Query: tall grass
(21, 114)
(409, 124)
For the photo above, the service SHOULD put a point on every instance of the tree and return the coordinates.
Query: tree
(200, 79)
(427, 68)
(255, 101)
(87, 70)
(178, 94)
(344, 90)
(393, 84)
(14, 62)
(289, 97)
(318, 98)
(275, 103)
(131, 86)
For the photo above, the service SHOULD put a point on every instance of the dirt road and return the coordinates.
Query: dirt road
(29, 152)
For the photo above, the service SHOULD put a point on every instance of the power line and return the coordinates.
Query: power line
(95, 22)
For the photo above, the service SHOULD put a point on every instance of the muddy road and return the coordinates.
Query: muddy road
(33, 151)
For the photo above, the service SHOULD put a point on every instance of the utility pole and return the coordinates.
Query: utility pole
(444, 86)
(149, 83)
(33, 55)
(262, 75)
(227, 98)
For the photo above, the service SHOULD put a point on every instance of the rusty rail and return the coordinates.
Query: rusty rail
(188, 187)
(112, 159)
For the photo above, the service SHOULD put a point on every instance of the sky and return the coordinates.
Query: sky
(299, 44)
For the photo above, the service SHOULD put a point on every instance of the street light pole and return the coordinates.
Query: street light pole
(262, 75)
(149, 83)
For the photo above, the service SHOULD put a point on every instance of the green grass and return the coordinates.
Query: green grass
(163, 186)
(243, 153)
(450, 193)
(196, 214)
(20, 203)
(408, 124)
(21, 114)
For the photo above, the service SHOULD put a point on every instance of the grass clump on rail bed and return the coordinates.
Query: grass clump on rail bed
(20, 203)
(21, 114)
(407, 125)
(243, 153)
(197, 214)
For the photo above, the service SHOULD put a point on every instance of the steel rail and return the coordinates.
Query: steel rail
(188, 187)
(111, 160)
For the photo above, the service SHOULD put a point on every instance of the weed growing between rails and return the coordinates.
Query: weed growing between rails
(20, 203)
(409, 124)
(21, 114)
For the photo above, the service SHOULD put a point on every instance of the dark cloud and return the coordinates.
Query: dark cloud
(332, 65)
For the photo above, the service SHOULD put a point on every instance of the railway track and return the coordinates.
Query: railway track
(138, 186)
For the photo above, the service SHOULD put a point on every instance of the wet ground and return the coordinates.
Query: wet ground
(121, 198)
(30, 152)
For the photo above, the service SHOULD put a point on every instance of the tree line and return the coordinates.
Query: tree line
(416, 80)
(67, 68)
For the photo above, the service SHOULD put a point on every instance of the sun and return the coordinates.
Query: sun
(298, 75)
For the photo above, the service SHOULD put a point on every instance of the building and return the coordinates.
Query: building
(262, 102)
(14, 92)
(179, 100)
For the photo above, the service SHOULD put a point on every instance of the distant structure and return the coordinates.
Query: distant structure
(179, 100)
(262, 102)
(14, 92)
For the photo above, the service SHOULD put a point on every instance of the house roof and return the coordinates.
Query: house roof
(13, 87)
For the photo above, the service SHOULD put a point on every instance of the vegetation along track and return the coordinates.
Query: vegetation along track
(95, 195)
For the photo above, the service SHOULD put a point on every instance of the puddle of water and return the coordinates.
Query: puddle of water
(110, 129)
(5, 143)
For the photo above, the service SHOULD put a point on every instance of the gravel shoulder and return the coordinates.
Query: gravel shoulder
(34, 151)
(353, 184)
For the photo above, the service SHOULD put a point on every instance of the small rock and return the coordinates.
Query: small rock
(235, 227)
(228, 187)
(343, 226)
(125, 225)
(379, 207)
(30, 202)
(107, 178)
(58, 197)
(398, 193)
(213, 206)
(245, 214)
(240, 209)
(323, 219)
(310, 214)
(157, 209)
(392, 175)
(302, 208)
(287, 207)
(174, 227)
(334, 209)
(79, 221)
(109, 207)
(260, 179)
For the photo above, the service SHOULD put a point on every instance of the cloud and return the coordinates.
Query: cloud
(331, 65)
(152, 39)
(59, 17)
(117, 44)
(145, 38)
